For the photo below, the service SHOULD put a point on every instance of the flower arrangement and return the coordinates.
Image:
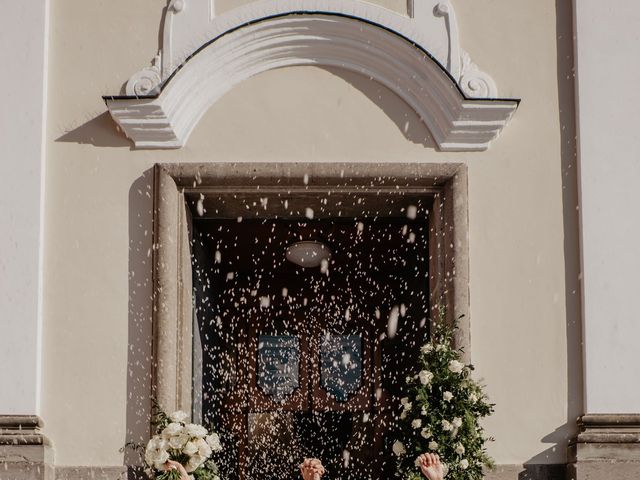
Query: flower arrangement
(186, 443)
(441, 413)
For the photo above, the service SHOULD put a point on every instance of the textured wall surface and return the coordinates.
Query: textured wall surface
(522, 214)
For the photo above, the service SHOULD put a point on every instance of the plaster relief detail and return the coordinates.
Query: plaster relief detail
(474, 82)
(203, 56)
(177, 5)
(146, 81)
(445, 10)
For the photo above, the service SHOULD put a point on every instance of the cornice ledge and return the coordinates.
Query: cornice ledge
(22, 430)
(609, 428)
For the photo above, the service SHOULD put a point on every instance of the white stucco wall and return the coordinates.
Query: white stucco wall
(523, 221)
(23, 39)
(608, 70)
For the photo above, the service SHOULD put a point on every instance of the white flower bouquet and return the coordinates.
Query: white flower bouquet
(441, 413)
(186, 443)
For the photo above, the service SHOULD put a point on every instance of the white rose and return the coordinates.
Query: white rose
(172, 430)
(457, 422)
(407, 406)
(423, 411)
(464, 464)
(417, 423)
(204, 450)
(408, 379)
(460, 449)
(473, 398)
(214, 442)
(425, 377)
(404, 400)
(398, 448)
(446, 426)
(433, 445)
(417, 462)
(447, 396)
(426, 348)
(156, 450)
(426, 433)
(178, 441)
(194, 462)
(440, 347)
(161, 459)
(403, 415)
(190, 448)
(157, 443)
(179, 416)
(195, 430)
(455, 366)
(150, 458)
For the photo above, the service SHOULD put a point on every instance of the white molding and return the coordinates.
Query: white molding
(417, 57)
(23, 119)
(608, 174)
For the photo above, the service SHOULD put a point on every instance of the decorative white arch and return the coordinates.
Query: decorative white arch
(204, 56)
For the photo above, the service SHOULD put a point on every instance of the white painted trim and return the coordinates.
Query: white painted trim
(607, 68)
(186, 29)
(41, 241)
(417, 58)
(23, 51)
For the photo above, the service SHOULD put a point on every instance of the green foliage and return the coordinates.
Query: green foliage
(170, 475)
(209, 471)
(441, 413)
(159, 418)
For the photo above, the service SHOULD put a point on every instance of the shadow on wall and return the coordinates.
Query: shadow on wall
(564, 434)
(405, 118)
(569, 152)
(140, 332)
(102, 131)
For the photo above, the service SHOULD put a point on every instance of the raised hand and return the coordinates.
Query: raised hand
(311, 469)
(171, 465)
(430, 466)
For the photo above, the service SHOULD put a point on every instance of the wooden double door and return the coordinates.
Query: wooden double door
(308, 378)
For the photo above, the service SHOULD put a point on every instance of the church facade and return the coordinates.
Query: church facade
(212, 204)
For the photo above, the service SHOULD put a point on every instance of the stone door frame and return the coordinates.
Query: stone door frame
(172, 313)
